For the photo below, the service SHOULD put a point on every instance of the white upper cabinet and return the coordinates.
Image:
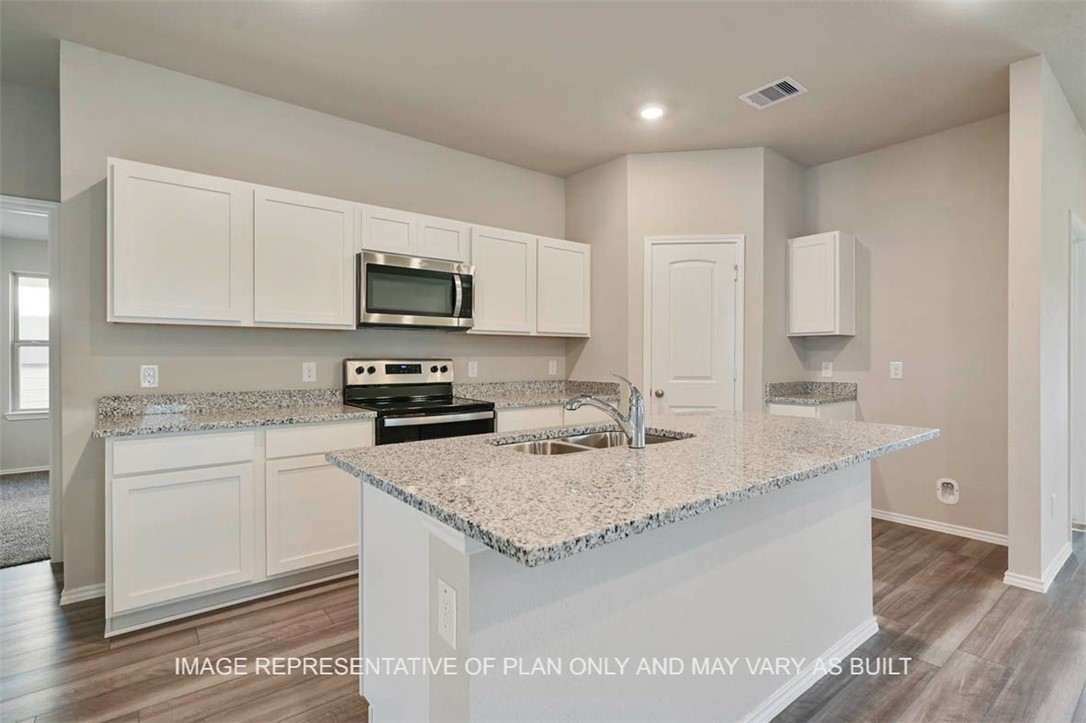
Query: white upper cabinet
(563, 276)
(389, 230)
(412, 234)
(180, 246)
(822, 285)
(304, 259)
(441, 238)
(505, 281)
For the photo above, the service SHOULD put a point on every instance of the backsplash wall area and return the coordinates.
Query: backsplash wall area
(112, 106)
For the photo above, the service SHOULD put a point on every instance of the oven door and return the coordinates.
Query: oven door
(392, 430)
(407, 291)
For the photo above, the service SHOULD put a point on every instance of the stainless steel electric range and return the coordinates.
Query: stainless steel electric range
(413, 399)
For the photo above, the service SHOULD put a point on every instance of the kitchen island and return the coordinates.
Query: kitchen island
(613, 584)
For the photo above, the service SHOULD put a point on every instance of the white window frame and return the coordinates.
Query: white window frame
(17, 412)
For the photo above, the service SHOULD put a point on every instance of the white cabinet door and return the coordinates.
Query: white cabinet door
(176, 534)
(836, 410)
(442, 238)
(563, 296)
(312, 513)
(822, 285)
(389, 230)
(512, 420)
(304, 259)
(505, 281)
(180, 246)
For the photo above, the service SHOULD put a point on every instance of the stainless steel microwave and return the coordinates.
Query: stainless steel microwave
(408, 291)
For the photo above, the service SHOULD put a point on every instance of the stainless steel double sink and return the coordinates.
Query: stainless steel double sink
(581, 443)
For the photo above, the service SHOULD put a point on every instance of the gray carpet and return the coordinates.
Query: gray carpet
(24, 518)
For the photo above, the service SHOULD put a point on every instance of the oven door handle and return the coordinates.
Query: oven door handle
(459, 298)
(435, 419)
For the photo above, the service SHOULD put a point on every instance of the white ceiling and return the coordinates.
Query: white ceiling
(29, 225)
(553, 86)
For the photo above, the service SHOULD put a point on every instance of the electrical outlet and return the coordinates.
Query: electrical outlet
(827, 369)
(446, 612)
(309, 371)
(473, 369)
(897, 370)
(148, 375)
(552, 367)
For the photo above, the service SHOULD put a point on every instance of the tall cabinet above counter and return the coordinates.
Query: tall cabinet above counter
(189, 248)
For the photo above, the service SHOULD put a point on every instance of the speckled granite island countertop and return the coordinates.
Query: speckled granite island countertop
(537, 509)
(810, 394)
(143, 414)
(511, 395)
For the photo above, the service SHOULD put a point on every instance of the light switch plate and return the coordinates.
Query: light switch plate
(309, 371)
(148, 375)
(897, 370)
(473, 369)
(552, 367)
(827, 369)
(446, 612)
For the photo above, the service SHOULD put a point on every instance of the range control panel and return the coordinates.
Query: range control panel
(397, 371)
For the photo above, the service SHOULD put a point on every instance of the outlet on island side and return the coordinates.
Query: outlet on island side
(148, 375)
(446, 612)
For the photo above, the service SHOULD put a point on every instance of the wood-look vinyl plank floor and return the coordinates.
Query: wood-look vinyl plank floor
(981, 651)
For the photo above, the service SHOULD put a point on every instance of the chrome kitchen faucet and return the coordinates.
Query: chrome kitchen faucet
(632, 424)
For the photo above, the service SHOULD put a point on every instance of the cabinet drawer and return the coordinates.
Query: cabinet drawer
(132, 456)
(512, 420)
(793, 410)
(317, 439)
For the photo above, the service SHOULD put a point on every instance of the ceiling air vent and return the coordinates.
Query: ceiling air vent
(774, 93)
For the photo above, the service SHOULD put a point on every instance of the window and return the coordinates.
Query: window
(29, 343)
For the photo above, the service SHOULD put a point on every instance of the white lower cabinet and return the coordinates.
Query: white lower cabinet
(198, 521)
(312, 513)
(181, 533)
(838, 410)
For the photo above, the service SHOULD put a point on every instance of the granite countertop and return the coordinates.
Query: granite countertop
(143, 414)
(537, 509)
(810, 394)
(509, 395)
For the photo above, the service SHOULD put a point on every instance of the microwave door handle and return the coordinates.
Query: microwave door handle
(458, 299)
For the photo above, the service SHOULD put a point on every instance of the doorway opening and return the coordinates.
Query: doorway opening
(29, 485)
(693, 325)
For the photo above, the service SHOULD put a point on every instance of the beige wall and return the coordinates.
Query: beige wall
(930, 217)
(118, 107)
(701, 192)
(785, 218)
(24, 443)
(1047, 180)
(596, 213)
(30, 139)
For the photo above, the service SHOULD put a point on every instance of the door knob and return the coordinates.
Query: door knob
(659, 393)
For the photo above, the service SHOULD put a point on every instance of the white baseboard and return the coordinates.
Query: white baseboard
(1078, 526)
(797, 686)
(1043, 583)
(973, 534)
(24, 470)
(87, 592)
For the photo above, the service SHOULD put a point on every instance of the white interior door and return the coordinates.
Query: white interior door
(695, 319)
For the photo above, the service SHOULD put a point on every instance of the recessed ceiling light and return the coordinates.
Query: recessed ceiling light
(652, 112)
